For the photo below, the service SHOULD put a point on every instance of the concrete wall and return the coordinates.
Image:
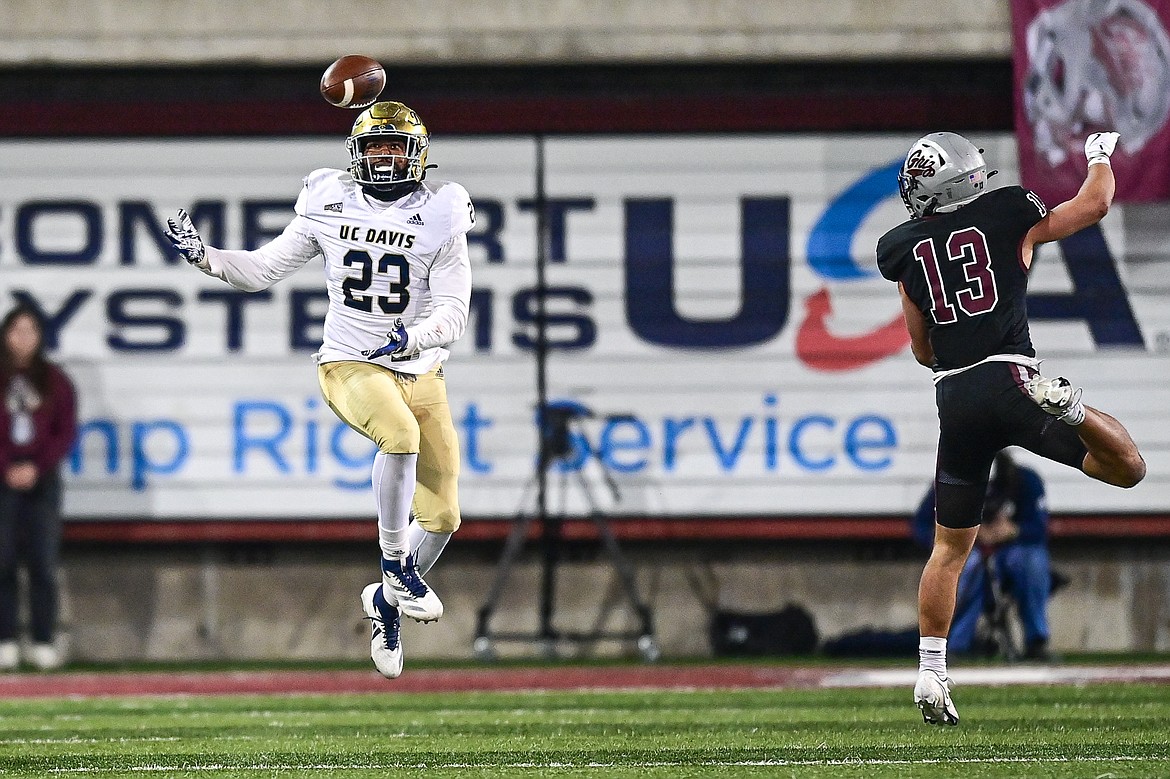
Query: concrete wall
(300, 602)
(463, 32)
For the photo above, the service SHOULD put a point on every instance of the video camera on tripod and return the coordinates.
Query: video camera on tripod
(558, 442)
(556, 421)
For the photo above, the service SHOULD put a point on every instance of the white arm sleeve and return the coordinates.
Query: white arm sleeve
(252, 271)
(450, 280)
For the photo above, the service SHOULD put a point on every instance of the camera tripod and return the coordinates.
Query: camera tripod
(556, 444)
(999, 610)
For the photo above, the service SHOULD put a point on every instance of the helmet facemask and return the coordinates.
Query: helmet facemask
(388, 175)
(380, 170)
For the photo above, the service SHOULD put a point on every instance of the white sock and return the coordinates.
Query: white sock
(932, 655)
(426, 546)
(1075, 414)
(393, 477)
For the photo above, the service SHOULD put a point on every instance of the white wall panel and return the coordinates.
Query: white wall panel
(459, 32)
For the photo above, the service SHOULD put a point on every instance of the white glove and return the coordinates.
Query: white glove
(1099, 146)
(185, 238)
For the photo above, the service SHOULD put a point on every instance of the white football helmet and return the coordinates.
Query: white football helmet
(942, 171)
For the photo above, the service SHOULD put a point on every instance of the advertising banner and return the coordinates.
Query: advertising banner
(1083, 66)
(716, 321)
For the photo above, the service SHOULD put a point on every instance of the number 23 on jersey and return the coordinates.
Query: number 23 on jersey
(356, 287)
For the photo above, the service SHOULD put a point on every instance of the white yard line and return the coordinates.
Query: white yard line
(656, 764)
(1003, 675)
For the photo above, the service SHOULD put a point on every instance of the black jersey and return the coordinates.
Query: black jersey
(964, 271)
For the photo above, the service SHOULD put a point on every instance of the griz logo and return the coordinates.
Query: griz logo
(920, 164)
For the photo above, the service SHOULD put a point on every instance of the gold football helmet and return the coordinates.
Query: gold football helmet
(388, 174)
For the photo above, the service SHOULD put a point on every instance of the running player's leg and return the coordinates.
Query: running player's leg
(1048, 418)
(373, 401)
(1112, 455)
(970, 600)
(436, 498)
(937, 592)
(958, 512)
(938, 587)
(370, 399)
(967, 444)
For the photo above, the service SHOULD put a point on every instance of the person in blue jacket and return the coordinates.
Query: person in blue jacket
(1015, 533)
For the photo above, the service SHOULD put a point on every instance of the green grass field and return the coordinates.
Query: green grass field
(1099, 730)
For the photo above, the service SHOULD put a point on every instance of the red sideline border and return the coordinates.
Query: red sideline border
(33, 685)
(430, 681)
(625, 528)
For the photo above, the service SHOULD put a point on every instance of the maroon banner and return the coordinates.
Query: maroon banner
(1083, 66)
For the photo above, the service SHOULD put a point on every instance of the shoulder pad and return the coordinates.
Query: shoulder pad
(1025, 203)
(454, 203)
(322, 187)
(891, 248)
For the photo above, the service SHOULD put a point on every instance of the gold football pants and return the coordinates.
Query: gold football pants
(403, 414)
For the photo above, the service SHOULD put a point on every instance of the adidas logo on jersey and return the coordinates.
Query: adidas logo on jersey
(415, 220)
(335, 207)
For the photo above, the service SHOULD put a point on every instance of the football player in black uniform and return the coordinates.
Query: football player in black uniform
(961, 263)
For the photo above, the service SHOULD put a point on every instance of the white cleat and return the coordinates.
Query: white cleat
(9, 655)
(932, 696)
(45, 657)
(411, 594)
(1057, 397)
(385, 643)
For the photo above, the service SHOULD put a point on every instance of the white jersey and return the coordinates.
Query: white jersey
(405, 258)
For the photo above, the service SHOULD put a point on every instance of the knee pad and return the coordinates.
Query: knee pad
(436, 512)
(444, 522)
(392, 437)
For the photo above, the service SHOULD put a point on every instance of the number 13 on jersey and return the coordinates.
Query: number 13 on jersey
(976, 292)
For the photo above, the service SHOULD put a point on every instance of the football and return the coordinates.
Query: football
(353, 81)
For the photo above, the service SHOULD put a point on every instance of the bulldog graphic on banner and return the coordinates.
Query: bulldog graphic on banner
(1084, 66)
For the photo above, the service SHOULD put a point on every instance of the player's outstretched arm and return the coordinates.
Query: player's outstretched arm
(1089, 205)
(250, 271)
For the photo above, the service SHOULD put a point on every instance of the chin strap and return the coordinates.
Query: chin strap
(389, 194)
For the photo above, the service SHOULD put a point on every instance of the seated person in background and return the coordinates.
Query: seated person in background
(1015, 533)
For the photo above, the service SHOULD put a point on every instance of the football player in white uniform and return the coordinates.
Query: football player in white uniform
(399, 281)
